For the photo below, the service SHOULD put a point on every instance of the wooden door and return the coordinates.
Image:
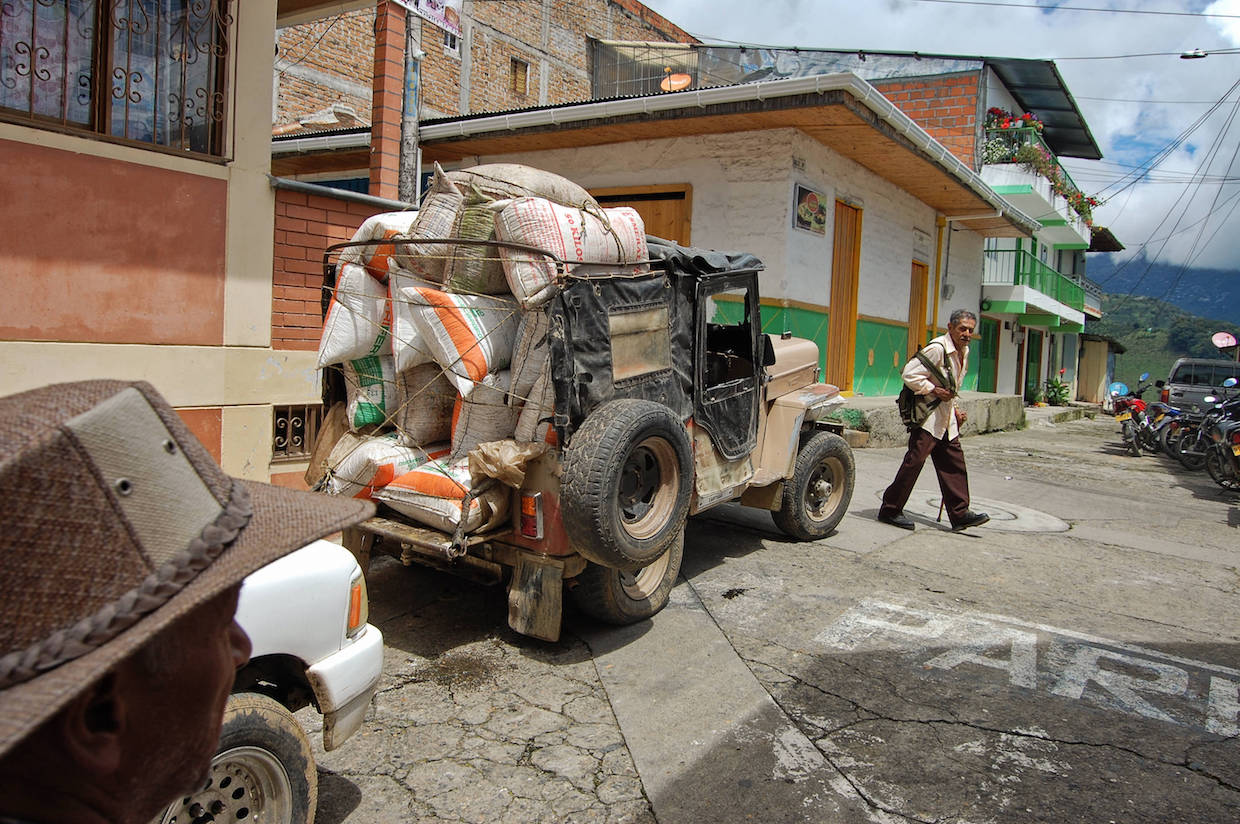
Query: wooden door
(917, 307)
(845, 270)
(666, 210)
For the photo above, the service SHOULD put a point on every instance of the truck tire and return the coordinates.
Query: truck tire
(621, 598)
(263, 771)
(627, 475)
(821, 487)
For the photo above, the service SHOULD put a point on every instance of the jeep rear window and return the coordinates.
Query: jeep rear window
(640, 342)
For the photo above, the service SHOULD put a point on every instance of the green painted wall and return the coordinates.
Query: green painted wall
(887, 345)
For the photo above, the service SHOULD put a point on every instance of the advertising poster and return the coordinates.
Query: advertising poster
(809, 210)
(446, 14)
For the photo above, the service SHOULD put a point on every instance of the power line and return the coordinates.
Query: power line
(1080, 8)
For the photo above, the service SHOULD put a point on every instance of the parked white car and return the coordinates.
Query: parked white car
(306, 615)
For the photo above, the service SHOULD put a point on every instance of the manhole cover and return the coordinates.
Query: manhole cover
(1004, 516)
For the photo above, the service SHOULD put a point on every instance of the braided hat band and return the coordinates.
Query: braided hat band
(91, 632)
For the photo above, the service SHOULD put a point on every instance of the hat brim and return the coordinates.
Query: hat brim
(284, 520)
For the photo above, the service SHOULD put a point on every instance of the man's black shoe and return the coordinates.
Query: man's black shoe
(897, 520)
(970, 519)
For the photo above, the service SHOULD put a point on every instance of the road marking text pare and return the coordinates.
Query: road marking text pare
(1112, 674)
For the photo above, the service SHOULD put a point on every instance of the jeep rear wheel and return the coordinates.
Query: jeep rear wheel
(618, 597)
(627, 475)
(821, 487)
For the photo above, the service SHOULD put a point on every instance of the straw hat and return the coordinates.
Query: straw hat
(114, 522)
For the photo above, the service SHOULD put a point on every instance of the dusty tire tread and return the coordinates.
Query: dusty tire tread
(596, 591)
(790, 517)
(589, 462)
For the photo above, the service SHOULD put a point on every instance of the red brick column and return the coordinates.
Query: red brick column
(387, 100)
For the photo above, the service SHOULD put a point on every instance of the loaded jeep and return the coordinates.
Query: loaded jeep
(669, 400)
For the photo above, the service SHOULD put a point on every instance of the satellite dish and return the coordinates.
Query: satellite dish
(1223, 340)
(676, 82)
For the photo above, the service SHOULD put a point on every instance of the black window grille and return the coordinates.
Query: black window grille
(151, 71)
(296, 428)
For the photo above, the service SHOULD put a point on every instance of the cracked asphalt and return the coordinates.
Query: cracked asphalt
(1018, 672)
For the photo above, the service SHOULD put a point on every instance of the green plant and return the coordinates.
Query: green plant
(1057, 390)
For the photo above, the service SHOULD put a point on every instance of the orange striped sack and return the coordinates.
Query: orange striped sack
(433, 492)
(376, 259)
(359, 466)
(359, 318)
(470, 336)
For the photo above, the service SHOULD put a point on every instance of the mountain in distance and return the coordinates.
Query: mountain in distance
(1155, 333)
(1206, 293)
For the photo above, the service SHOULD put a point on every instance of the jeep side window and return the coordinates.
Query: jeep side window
(729, 342)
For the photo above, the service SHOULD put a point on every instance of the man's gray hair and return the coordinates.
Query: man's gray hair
(959, 315)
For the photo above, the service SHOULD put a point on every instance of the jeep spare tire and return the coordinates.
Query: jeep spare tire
(627, 475)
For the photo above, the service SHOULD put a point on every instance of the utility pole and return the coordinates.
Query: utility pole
(409, 166)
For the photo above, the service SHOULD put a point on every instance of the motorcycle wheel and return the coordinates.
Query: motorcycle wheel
(1221, 468)
(1148, 439)
(1188, 441)
(1131, 439)
(1169, 441)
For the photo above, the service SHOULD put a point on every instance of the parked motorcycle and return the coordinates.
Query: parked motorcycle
(1222, 458)
(1130, 414)
(1196, 439)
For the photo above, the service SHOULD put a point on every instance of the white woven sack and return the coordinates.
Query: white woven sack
(359, 318)
(575, 235)
(370, 391)
(507, 180)
(433, 492)
(425, 398)
(409, 346)
(376, 259)
(436, 218)
(470, 336)
(534, 422)
(484, 415)
(360, 466)
(529, 355)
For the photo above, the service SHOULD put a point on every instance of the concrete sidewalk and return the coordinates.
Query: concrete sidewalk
(876, 422)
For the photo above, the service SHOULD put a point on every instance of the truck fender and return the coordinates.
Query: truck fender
(786, 417)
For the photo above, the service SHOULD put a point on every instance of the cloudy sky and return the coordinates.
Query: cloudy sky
(1136, 107)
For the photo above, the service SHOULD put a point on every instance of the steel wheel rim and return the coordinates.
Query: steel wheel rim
(245, 784)
(645, 501)
(642, 584)
(822, 493)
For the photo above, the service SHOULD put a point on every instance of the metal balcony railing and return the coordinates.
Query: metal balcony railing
(1026, 147)
(1012, 267)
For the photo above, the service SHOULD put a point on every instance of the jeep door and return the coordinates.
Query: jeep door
(728, 367)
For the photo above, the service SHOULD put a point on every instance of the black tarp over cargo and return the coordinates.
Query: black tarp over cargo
(633, 336)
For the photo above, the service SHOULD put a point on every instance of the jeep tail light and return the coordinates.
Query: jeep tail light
(531, 515)
(1165, 395)
(359, 605)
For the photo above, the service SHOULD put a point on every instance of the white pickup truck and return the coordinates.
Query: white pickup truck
(306, 615)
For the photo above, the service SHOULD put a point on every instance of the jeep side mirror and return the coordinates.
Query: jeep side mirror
(1160, 383)
(768, 351)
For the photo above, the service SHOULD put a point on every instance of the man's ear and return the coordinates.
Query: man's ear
(92, 727)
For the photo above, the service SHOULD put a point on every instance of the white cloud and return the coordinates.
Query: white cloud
(1127, 132)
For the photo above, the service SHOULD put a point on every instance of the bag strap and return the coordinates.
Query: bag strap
(945, 381)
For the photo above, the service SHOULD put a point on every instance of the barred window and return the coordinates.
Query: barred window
(151, 71)
(295, 430)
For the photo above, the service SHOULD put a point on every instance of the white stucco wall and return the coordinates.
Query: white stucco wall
(960, 286)
(743, 188)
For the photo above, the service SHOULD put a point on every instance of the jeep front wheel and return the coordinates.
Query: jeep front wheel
(820, 489)
(621, 598)
(627, 476)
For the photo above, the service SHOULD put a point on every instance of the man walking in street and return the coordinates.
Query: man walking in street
(938, 436)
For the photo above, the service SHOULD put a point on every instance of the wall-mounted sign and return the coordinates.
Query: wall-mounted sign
(809, 210)
(446, 14)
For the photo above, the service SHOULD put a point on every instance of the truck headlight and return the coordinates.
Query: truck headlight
(359, 605)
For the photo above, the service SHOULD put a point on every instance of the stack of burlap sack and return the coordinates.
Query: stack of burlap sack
(443, 346)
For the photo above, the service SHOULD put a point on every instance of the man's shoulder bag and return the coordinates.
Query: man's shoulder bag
(914, 408)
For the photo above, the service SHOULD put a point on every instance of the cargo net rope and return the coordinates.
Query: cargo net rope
(436, 325)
